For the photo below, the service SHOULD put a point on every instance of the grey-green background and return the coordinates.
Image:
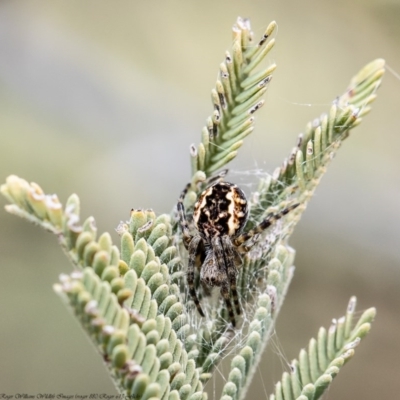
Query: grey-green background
(103, 98)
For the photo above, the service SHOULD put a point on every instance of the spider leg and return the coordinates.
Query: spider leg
(216, 178)
(182, 217)
(238, 258)
(226, 264)
(246, 247)
(193, 248)
(231, 258)
(226, 295)
(266, 223)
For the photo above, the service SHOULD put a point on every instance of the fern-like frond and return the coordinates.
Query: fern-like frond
(125, 300)
(301, 172)
(296, 180)
(237, 95)
(316, 367)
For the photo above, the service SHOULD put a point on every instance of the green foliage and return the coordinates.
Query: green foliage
(315, 369)
(131, 300)
(236, 97)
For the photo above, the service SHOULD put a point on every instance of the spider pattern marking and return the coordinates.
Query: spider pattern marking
(219, 216)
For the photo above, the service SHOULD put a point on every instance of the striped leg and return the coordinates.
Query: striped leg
(182, 217)
(266, 223)
(224, 257)
(193, 248)
(226, 295)
(216, 178)
(231, 271)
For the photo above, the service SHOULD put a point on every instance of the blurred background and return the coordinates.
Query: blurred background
(103, 99)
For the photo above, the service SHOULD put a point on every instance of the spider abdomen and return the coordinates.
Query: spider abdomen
(210, 272)
(221, 210)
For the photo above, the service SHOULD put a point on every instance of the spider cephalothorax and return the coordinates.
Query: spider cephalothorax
(219, 216)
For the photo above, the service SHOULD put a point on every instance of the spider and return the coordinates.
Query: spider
(219, 216)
